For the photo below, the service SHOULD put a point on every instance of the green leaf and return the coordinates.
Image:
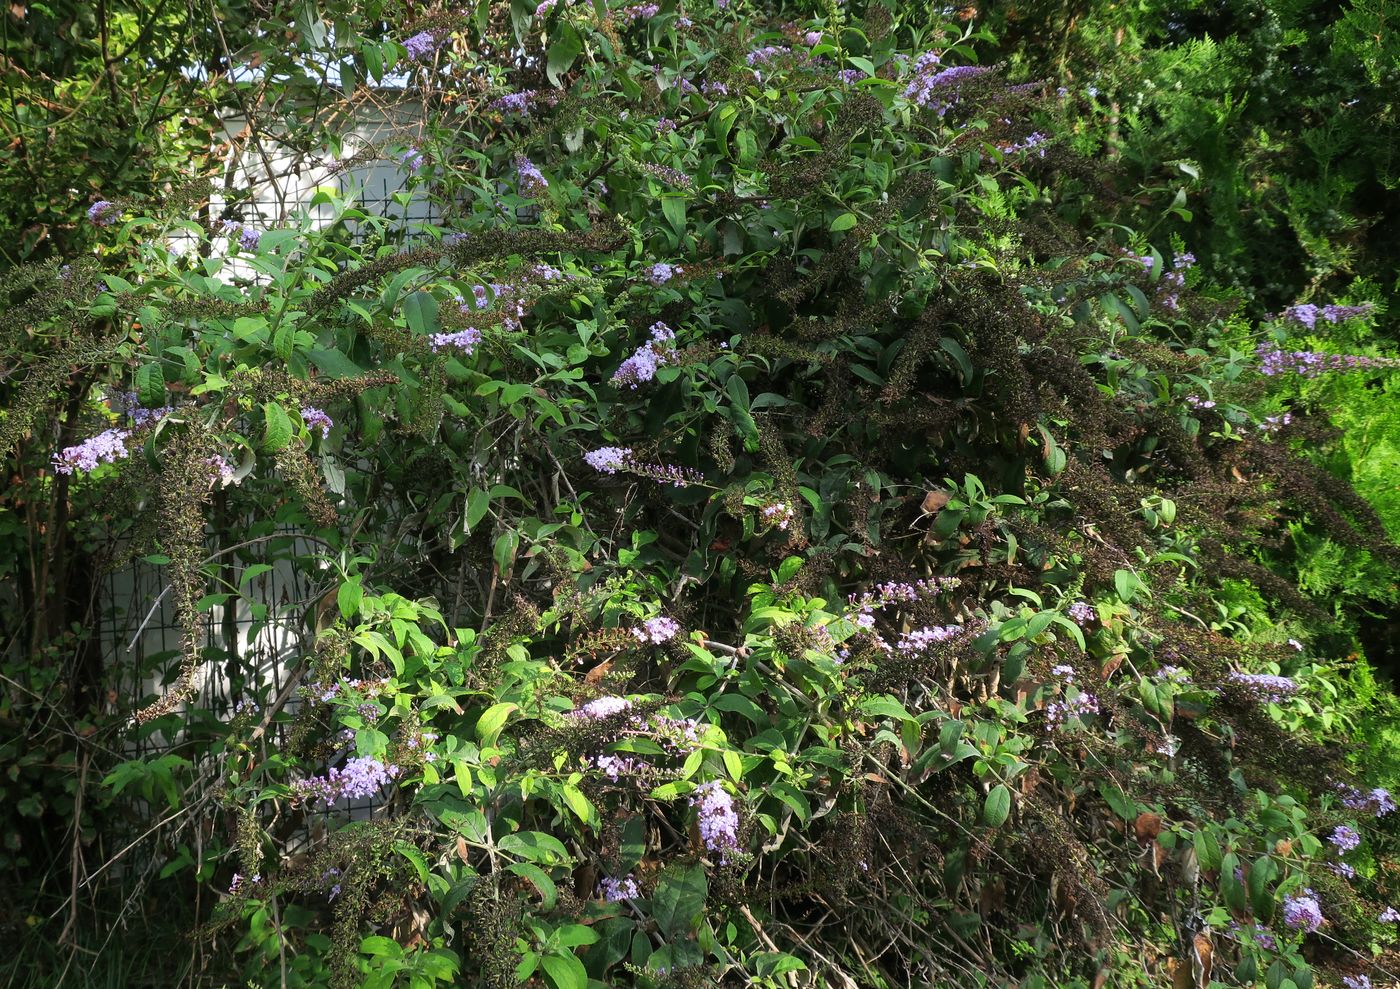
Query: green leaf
(348, 597)
(277, 427)
(150, 386)
(843, 222)
(997, 807)
(679, 899)
(478, 504)
(421, 311)
(566, 972)
(549, 893)
(334, 363)
(566, 47)
(492, 720)
(673, 208)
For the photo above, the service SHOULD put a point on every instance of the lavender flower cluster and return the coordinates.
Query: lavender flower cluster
(1345, 838)
(939, 89)
(615, 890)
(1082, 613)
(643, 364)
(921, 640)
(717, 818)
(1302, 911)
(248, 238)
(421, 45)
(1058, 713)
(1265, 686)
(1307, 314)
(661, 272)
(104, 213)
(532, 180)
(657, 630)
(611, 459)
(521, 102)
(898, 592)
(1034, 141)
(671, 176)
(1311, 363)
(778, 514)
(361, 778)
(106, 447)
(1377, 801)
(412, 159)
(1169, 288)
(639, 12)
(603, 707)
(316, 419)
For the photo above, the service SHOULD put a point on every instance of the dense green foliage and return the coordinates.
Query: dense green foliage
(790, 525)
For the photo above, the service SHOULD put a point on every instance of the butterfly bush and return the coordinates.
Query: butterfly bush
(1311, 363)
(1344, 838)
(421, 45)
(1265, 686)
(106, 447)
(615, 890)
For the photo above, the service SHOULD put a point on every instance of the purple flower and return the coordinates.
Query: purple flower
(661, 273)
(532, 180)
(1064, 672)
(421, 45)
(615, 767)
(1307, 314)
(609, 459)
(1265, 686)
(714, 89)
(106, 447)
(248, 239)
(1345, 838)
(923, 639)
(640, 12)
(1301, 911)
(1311, 363)
(104, 213)
(222, 469)
(412, 159)
(1389, 916)
(766, 54)
(669, 175)
(1058, 713)
(657, 630)
(361, 778)
(778, 514)
(1344, 869)
(939, 90)
(902, 593)
(851, 76)
(464, 341)
(603, 707)
(1356, 981)
(1082, 613)
(717, 819)
(1173, 673)
(316, 419)
(812, 38)
(520, 102)
(643, 364)
(1031, 142)
(614, 890)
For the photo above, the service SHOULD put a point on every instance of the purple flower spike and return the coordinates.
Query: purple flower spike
(717, 819)
(106, 447)
(316, 419)
(1301, 911)
(421, 45)
(104, 213)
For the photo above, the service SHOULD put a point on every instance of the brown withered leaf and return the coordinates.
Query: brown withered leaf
(1203, 951)
(1147, 827)
(1111, 665)
(1180, 973)
(934, 502)
(463, 852)
(598, 672)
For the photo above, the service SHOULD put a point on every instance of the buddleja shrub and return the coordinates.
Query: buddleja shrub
(751, 545)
